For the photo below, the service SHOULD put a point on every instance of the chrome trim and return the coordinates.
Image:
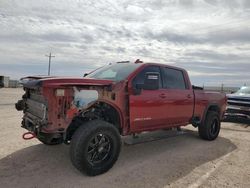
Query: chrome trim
(238, 101)
(238, 108)
(237, 115)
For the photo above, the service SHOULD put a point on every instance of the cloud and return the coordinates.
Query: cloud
(210, 38)
(216, 37)
(214, 56)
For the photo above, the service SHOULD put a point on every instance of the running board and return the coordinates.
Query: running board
(151, 136)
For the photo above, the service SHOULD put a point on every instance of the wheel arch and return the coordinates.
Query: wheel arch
(211, 107)
(102, 110)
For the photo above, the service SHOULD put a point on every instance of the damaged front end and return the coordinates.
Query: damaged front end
(35, 112)
(50, 105)
(33, 105)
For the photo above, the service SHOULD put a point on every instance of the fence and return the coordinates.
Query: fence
(221, 88)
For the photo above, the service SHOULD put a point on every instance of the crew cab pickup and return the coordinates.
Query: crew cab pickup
(123, 98)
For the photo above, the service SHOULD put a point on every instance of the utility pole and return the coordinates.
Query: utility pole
(222, 87)
(50, 56)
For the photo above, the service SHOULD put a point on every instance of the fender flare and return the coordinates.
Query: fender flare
(116, 108)
(207, 109)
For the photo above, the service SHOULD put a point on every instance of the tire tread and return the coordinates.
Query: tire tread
(80, 137)
(203, 128)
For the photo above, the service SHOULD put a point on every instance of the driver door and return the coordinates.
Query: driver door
(146, 107)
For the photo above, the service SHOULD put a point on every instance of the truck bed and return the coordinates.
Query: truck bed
(203, 99)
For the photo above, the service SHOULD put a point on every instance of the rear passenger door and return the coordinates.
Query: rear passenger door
(178, 98)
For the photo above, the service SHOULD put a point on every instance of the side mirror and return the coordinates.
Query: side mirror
(85, 74)
(151, 82)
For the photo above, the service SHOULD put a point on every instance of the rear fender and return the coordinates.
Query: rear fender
(210, 107)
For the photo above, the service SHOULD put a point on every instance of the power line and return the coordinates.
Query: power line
(50, 56)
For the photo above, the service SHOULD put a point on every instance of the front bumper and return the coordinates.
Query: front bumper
(237, 112)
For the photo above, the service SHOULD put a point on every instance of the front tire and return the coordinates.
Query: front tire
(95, 147)
(210, 128)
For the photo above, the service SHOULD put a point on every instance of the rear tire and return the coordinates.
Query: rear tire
(210, 128)
(95, 147)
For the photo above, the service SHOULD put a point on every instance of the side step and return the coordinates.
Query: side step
(152, 136)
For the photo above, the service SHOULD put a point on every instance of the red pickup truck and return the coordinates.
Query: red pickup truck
(122, 98)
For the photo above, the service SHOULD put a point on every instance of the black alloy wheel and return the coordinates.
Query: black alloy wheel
(98, 149)
(95, 147)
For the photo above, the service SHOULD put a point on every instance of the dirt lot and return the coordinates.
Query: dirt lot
(181, 161)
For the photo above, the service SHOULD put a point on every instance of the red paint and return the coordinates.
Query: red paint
(57, 82)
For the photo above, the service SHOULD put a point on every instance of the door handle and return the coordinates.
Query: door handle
(162, 95)
(189, 96)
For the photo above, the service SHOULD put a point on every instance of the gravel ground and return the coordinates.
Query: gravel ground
(180, 161)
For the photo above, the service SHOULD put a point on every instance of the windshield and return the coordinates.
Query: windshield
(115, 72)
(244, 90)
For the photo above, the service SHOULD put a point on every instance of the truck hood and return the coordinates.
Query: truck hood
(64, 81)
(36, 77)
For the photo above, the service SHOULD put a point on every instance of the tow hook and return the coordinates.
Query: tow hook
(29, 135)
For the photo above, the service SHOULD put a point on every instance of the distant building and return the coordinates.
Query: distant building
(13, 83)
(4, 80)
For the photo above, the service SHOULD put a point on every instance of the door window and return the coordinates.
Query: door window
(139, 79)
(173, 79)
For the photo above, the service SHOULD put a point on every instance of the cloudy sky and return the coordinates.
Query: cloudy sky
(210, 38)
